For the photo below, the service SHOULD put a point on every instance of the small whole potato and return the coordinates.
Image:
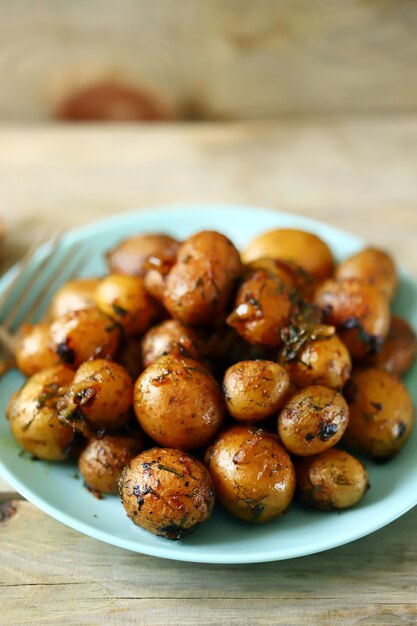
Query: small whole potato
(360, 312)
(167, 492)
(381, 414)
(252, 473)
(132, 255)
(373, 266)
(74, 295)
(82, 335)
(125, 299)
(305, 249)
(312, 420)
(331, 480)
(399, 349)
(178, 403)
(289, 273)
(171, 337)
(33, 351)
(253, 390)
(33, 415)
(99, 397)
(200, 284)
(102, 460)
(262, 309)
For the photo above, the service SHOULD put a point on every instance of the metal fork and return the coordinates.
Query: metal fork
(32, 286)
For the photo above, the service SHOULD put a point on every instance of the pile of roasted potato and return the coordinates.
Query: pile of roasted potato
(257, 363)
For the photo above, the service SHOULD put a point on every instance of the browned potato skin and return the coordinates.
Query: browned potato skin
(373, 266)
(83, 335)
(289, 273)
(331, 480)
(253, 390)
(305, 249)
(167, 492)
(200, 284)
(262, 309)
(33, 415)
(313, 420)
(125, 299)
(178, 403)
(381, 414)
(132, 255)
(33, 352)
(252, 473)
(323, 362)
(171, 337)
(99, 398)
(72, 296)
(359, 310)
(102, 460)
(398, 351)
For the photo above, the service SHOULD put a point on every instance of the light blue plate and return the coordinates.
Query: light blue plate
(53, 488)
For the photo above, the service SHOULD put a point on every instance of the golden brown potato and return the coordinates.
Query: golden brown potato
(399, 349)
(305, 249)
(171, 337)
(167, 492)
(330, 480)
(373, 266)
(74, 295)
(132, 255)
(200, 284)
(262, 309)
(178, 403)
(83, 335)
(252, 473)
(99, 398)
(289, 273)
(381, 414)
(33, 351)
(102, 460)
(253, 390)
(33, 415)
(313, 420)
(359, 310)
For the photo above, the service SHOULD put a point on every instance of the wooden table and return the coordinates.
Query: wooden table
(359, 174)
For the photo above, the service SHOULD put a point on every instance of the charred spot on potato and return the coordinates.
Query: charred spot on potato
(377, 405)
(173, 532)
(401, 429)
(327, 431)
(85, 396)
(65, 353)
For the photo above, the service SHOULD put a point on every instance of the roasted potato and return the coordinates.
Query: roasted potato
(33, 350)
(373, 266)
(98, 399)
(171, 337)
(252, 473)
(167, 492)
(82, 335)
(200, 284)
(132, 255)
(262, 309)
(33, 415)
(313, 420)
(381, 414)
(253, 390)
(178, 403)
(305, 249)
(102, 460)
(74, 295)
(399, 349)
(359, 310)
(330, 480)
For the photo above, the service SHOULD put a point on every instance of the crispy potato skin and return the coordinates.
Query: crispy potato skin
(399, 349)
(359, 310)
(99, 397)
(331, 480)
(262, 309)
(313, 420)
(132, 255)
(33, 352)
(200, 284)
(323, 362)
(167, 492)
(72, 296)
(178, 403)
(171, 337)
(33, 415)
(253, 390)
(381, 414)
(102, 460)
(252, 473)
(305, 249)
(125, 299)
(83, 335)
(373, 266)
